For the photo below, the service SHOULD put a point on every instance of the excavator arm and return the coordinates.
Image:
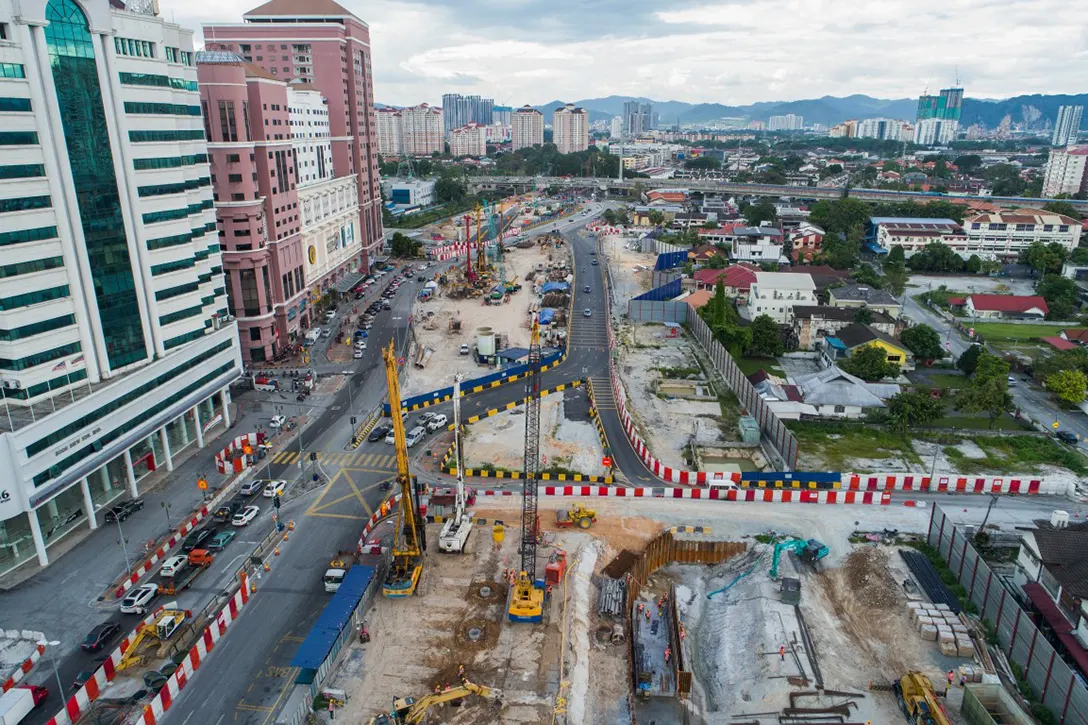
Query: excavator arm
(418, 710)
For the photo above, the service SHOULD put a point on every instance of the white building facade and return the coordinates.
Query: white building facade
(308, 116)
(885, 129)
(527, 128)
(470, 140)
(777, 293)
(570, 129)
(1066, 171)
(1067, 125)
(330, 228)
(117, 348)
(786, 122)
(935, 131)
(1004, 235)
(415, 131)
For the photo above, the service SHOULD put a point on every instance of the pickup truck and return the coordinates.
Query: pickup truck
(338, 569)
(184, 577)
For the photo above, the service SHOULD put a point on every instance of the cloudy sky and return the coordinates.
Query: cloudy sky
(724, 51)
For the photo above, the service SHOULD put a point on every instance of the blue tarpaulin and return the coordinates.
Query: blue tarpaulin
(554, 287)
(546, 316)
(336, 615)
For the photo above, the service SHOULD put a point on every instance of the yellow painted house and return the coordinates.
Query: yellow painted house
(855, 336)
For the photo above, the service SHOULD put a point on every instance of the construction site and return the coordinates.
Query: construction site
(614, 610)
(474, 318)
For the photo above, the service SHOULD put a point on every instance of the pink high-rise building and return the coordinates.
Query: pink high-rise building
(323, 44)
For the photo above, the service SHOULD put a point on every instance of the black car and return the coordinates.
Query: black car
(593, 261)
(100, 636)
(197, 538)
(1067, 437)
(226, 511)
(123, 510)
(379, 433)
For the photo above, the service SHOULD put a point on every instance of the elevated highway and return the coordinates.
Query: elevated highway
(522, 183)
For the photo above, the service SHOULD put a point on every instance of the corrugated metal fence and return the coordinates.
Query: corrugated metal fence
(1049, 676)
(777, 434)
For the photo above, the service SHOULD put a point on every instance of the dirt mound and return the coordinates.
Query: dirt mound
(870, 581)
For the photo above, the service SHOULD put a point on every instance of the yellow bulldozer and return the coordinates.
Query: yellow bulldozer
(578, 515)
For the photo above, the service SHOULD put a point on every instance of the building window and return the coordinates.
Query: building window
(25, 203)
(255, 334)
(18, 138)
(840, 408)
(15, 105)
(237, 197)
(245, 120)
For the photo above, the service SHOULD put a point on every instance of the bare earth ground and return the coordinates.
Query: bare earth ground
(631, 270)
(853, 606)
(500, 440)
(666, 425)
(432, 318)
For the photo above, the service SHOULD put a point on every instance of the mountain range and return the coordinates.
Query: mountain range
(830, 110)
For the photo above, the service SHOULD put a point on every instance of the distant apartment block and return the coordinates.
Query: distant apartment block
(1067, 125)
(846, 129)
(459, 111)
(787, 122)
(638, 118)
(884, 129)
(502, 115)
(470, 140)
(389, 141)
(414, 131)
(1066, 171)
(570, 129)
(935, 131)
(526, 128)
(1003, 235)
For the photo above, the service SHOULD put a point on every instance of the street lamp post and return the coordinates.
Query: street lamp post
(53, 659)
(121, 541)
(166, 507)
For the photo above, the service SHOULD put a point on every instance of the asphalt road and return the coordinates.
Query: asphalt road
(1033, 401)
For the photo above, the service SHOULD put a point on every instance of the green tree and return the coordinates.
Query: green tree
(609, 216)
(968, 163)
(1060, 294)
(866, 275)
(1043, 258)
(840, 215)
(1079, 256)
(1062, 207)
(989, 389)
(936, 257)
(657, 218)
(703, 163)
(923, 341)
(896, 256)
(766, 338)
(404, 246)
(1069, 386)
(863, 316)
(973, 265)
(756, 214)
(841, 252)
(968, 361)
(447, 189)
(718, 261)
(913, 408)
(870, 362)
(896, 277)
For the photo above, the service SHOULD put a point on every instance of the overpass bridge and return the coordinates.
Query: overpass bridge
(525, 183)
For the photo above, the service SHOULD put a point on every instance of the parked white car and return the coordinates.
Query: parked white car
(415, 436)
(273, 488)
(437, 422)
(173, 565)
(137, 600)
(243, 517)
(277, 422)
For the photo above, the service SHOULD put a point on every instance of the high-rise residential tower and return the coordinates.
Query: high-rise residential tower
(1067, 125)
(117, 345)
(527, 128)
(325, 45)
(459, 111)
(570, 129)
(638, 118)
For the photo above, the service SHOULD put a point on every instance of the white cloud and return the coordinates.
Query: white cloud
(732, 52)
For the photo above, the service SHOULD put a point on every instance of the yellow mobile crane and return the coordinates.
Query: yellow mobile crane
(409, 542)
(527, 599)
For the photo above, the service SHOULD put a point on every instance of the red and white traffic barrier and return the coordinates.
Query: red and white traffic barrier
(951, 483)
(28, 663)
(161, 552)
(235, 458)
(197, 654)
(79, 703)
(740, 495)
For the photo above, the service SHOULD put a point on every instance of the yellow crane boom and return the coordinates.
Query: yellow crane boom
(412, 712)
(408, 542)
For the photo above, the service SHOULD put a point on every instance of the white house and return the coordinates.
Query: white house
(776, 294)
(1005, 306)
(1051, 570)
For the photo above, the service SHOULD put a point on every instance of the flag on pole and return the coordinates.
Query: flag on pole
(77, 359)
(60, 366)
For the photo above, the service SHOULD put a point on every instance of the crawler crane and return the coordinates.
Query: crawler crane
(527, 599)
(409, 542)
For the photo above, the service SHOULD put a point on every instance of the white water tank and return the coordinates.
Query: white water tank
(485, 341)
(1059, 519)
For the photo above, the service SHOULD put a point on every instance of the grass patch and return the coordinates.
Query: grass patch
(953, 421)
(678, 373)
(731, 412)
(749, 365)
(943, 380)
(1019, 454)
(838, 443)
(1005, 331)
